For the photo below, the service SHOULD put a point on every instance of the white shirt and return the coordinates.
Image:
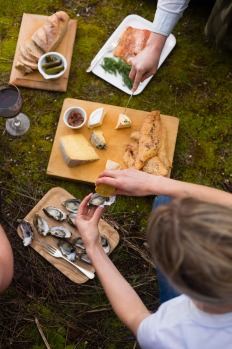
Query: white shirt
(167, 14)
(179, 324)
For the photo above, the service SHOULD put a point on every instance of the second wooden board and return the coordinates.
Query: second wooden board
(115, 139)
(30, 23)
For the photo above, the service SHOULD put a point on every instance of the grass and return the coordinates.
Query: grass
(194, 84)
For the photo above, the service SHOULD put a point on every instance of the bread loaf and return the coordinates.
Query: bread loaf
(147, 150)
(50, 34)
(44, 39)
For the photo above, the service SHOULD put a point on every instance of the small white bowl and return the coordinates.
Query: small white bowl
(77, 110)
(42, 61)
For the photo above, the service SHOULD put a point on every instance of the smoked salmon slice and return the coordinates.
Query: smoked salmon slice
(131, 42)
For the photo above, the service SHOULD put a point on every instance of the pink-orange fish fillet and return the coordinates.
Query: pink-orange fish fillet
(131, 42)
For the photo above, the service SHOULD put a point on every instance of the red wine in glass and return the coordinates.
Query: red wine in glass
(11, 104)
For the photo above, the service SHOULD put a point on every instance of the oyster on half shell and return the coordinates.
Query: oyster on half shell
(60, 232)
(71, 205)
(27, 232)
(55, 213)
(97, 200)
(67, 249)
(78, 242)
(71, 219)
(40, 224)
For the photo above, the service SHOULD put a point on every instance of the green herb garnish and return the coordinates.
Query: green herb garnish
(114, 66)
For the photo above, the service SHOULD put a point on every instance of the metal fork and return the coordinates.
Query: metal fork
(111, 47)
(57, 254)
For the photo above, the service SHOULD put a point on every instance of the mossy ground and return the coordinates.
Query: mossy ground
(194, 84)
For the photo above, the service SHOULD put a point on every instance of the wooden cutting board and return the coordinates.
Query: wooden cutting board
(115, 139)
(55, 197)
(30, 23)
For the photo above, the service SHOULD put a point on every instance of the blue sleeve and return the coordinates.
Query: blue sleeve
(167, 14)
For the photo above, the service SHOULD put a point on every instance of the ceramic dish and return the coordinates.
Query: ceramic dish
(75, 117)
(43, 60)
(116, 80)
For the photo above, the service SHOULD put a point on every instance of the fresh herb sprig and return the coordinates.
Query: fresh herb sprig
(114, 66)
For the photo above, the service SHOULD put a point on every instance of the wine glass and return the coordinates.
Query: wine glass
(11, 104)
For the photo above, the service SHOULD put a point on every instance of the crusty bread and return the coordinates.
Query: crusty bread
(147, 150)
(28, 63)
(50, 34)
(22, 67)
(131, 153)
(150, 138)
(32, 50)
(162, 152)
(45, 39)
(155, 166)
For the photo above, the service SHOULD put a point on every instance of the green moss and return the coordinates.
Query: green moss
(194, 84)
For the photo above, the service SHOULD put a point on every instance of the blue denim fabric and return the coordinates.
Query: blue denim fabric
(166, 291)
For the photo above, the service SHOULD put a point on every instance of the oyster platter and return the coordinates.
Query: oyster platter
(51, 222)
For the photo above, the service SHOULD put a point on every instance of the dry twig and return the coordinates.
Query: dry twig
(41, 333)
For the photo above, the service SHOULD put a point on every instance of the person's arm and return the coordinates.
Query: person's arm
(124, 300)
(6, 261)
(146, 63)
(138, 183)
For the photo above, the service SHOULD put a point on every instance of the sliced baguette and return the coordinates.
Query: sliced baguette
(27, 63)
(22, 67)
(33, 51)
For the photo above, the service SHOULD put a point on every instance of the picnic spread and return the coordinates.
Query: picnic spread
(89, 135)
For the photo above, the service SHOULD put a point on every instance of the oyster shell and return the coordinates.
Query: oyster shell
(40, 224)
(97, 200)
(71, 219)
(67, 249)
(84, 257)
(55, 213)
(71, 205)
(105, 244)
(27, 231)
(60, 232)
(78, 242)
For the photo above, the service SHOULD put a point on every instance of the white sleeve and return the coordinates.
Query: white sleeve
(167, 14)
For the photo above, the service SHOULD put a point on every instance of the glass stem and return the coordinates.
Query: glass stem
(16, 122)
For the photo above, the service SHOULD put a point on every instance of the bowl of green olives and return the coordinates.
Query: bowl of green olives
(52, 65)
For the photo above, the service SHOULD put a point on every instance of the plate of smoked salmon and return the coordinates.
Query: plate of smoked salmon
(129, 38)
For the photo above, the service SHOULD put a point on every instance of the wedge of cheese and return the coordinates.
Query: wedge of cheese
(76, 150)
(98, 140)
(96, 118)
(123, 121)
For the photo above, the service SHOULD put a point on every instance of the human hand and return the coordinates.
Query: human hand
(129, 182)
(145, 63)
(87, 220)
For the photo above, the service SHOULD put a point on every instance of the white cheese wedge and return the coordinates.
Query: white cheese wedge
(112, 165)
(76, 150)
(98, 140)
(123, 121)
(96, 118)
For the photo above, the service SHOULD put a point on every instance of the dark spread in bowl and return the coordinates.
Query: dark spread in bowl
(75, 118)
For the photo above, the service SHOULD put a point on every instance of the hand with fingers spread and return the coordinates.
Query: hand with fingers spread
(87, 220)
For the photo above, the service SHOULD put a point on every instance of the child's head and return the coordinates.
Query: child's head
(191, 241)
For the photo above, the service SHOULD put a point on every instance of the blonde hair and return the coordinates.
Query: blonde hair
(191, 241)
